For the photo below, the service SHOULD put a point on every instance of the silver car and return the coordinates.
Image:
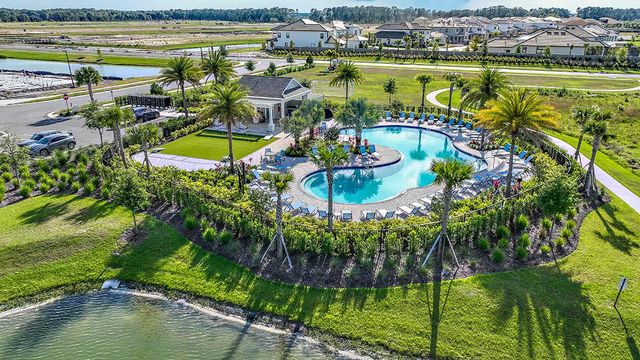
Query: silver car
(49, 143)
(39, 135)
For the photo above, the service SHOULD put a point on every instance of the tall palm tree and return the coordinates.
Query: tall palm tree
(582, 116)
(146, 135)
(486, 87)
(329, 159)
(452, 78)
(218, 66)
(89, 76)
(358, 114)
(599, 129)
(424, 80)
(313, 111)
(516, 114)
(181, 70)
(451, 173)
(279, 183)
(230, 106)
(347, 74)
(117, 118)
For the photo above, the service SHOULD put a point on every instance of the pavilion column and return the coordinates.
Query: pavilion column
(270, 127)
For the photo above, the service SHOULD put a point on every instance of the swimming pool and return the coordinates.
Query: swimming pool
(419, 147)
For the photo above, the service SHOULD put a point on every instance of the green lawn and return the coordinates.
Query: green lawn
(235, 40)
(542, 312)
(84, 58)
(201, 146)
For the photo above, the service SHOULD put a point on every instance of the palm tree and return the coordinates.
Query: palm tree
(462, 83)
(279, 183)
(117, 118)
(146, 135)
(89, 76)
(424, 80)
(517, 113)
(218, 66)
(435, 46)
(486, 87)
(181, 70)
(345, 75)
(230, 106)
(93, 120)
(390, 87)
(452, 78)
(582, 116)
(329, 159)
(451, 173)
(312, 110)
(599, 129)
(358, 114)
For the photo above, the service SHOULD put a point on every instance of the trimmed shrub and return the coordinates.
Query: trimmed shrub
(62, 185)
(558, 217)
(522, 223)
(483, 244)
(547, 224)
(502, 232)
(560, 242)
(25, 191)
(522, 253)
(15, 182)
(209, 234)
(545, 249)
(44, 187)
(6, 176)
(88, 189)
(497, 255)
(566, 233)
(570, 225)
(105, 193)
(225, 237)
(75, 186)
(571, 214)
(55, 174)
(524, 241)
(503, 243)
(190, 222)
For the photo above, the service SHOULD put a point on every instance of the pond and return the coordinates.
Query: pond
(112, 325)
(57, 67)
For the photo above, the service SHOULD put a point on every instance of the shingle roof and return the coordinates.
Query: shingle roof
(275, 87)
(402, 26)
(302, 25)
(391, 35)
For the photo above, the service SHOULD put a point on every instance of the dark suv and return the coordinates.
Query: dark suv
(145, 114)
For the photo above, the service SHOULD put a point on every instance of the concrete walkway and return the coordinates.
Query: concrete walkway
(605, 179)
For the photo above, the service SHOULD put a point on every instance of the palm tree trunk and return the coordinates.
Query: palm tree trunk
(279, 247)
(135, 222)
(512, 151)
(462, 94)
(437, 274)
(346, 97)
(424, 89)
(358, 138)
(101, 141)
(577, 154)
(450, 98)
(184, 100)
(146, 156)
(117, 137)
(230, 140)
(330, 198)
(590, 179)
(90, 88)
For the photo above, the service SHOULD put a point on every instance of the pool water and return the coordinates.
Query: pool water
(419, 147)
(108, 325)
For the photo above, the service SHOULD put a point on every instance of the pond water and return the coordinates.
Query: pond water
(110, 325)
(58, 67)
(418, 147)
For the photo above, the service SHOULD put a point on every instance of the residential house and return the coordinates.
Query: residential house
(561, 42)
(390, 34)
(460, 30)
(273, 97)
(308, 33)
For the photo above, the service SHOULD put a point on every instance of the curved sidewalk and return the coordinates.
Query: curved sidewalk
(605, 179)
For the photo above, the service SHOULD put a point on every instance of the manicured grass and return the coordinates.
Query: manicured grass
(536, 313)
(84, 58)
(237, 41)
(211, 148)
(409, 91)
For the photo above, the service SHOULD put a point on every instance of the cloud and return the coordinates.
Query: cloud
(531, 4)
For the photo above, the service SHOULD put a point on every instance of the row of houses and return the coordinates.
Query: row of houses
(526, 35)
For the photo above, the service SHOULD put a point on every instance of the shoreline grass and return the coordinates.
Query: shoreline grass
(83, 58)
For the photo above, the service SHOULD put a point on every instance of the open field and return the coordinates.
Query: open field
(84, 58)
(541, 312)
(152, 34)
(201, 146)
(409, 91)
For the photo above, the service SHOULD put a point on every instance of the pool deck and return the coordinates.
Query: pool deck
(459, 140)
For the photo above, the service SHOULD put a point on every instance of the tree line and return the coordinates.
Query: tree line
(618, 14)
(380, 14)
(275, 14)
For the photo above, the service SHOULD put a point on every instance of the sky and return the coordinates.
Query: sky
(305, 5)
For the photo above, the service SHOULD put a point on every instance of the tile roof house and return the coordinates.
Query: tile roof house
(308, 33)
(273, 96)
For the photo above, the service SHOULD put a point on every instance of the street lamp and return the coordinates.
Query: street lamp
(73, 85)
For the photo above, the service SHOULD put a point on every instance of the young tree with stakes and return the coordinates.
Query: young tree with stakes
(279, 183)
(116, 119)
(129, 190)
(328, 158)
(93, 120)
(424, 80)
(599, 129)
(146, 135)
(582, 116)
(390, 87)
(16, 155)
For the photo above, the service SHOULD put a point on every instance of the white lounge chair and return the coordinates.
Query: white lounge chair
(384, 214)
(368, 215)
(346, 216)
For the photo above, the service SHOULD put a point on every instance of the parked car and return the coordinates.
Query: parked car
(47, 144)
(145, 114)
(39, 135)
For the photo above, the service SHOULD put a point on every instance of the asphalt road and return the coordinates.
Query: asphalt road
(26, 119)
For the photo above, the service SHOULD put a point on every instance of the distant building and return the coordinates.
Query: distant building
(273, 96)
(308, 33)
(562, 42)
(389, 34)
